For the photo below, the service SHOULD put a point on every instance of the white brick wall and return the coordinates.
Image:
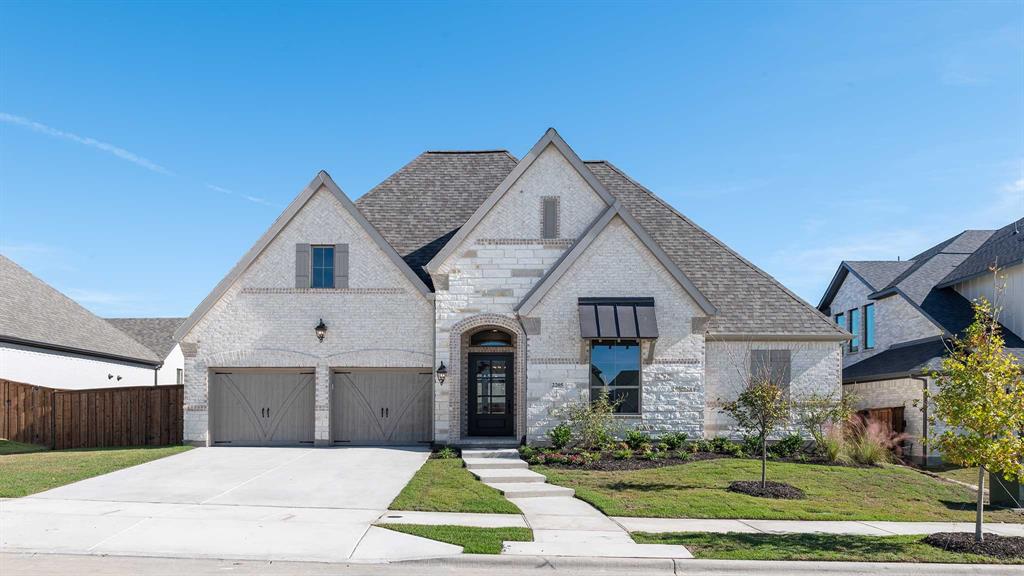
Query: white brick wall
(264, 321)
(815, 367)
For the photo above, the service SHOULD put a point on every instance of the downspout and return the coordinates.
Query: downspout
(924, 417)
(156, 374)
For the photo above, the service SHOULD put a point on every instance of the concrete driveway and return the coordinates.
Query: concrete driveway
(235, 503)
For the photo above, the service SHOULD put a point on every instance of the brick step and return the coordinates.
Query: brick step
(599, 549)
(507, 475)
(494, 463)
(491, 453)
(531, 490)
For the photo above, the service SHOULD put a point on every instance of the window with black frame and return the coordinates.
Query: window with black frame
(615, 371)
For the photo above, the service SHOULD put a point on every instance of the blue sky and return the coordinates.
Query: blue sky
(145, 147)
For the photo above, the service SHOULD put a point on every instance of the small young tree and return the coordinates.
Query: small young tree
(819, 414)
(760, 409)
(980, 397)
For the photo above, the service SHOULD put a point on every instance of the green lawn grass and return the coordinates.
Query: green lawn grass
(12, 447)
(26, 473)
(445, 486)
(698, 490)
(472, 540)
(833, 547)
(966, 475)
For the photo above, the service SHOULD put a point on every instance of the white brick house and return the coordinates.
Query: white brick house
(534, 282)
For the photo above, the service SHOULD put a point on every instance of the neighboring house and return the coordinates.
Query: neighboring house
(157, 334)
(533, 282)
(902, 314)
(48, 339)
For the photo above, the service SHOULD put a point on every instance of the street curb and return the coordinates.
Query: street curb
(718, 567)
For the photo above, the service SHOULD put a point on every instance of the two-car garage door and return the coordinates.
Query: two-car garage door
(276, 408)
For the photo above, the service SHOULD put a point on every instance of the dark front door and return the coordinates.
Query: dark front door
(490, 395)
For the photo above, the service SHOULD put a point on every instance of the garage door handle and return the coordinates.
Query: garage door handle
(387, 412)
(381, 412)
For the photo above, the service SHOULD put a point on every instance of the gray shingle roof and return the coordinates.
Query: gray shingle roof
(749, 301)
(878, 273)
(934, 264)
(32, 311)
(157, 334)
(1005, 247)
(420, 207)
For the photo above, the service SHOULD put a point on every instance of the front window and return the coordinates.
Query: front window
(615, 371)
(322, 273)
(841, 321)
(854, 329)
(869, 326)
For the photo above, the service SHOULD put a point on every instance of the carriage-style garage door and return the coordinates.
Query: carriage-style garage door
(381, 406)
(261, 408)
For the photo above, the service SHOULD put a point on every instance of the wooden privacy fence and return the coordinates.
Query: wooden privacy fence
(99, 417)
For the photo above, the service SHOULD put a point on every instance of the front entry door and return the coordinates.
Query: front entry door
(491, 385)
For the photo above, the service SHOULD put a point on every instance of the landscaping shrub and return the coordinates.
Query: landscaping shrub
(683, 455)
(560, 436)
(751, 445)
(819, 413)
(673, 440)
(788, 446)
(593, 423)
(527, 452)
(637, 438)
(872, 443)
(652, 455)
(702, 445)
(722, 445)
(833, 446)
(446, 453)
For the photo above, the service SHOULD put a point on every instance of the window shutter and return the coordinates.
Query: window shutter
(781, 367)
(341, 265)
(549, 224)
(302, 266)
(759, 365)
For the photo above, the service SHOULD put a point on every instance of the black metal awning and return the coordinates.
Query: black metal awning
(618, 318)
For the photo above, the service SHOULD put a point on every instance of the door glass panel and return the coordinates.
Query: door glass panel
(497, 405)
(481, 405)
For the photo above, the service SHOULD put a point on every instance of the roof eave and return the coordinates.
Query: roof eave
(151, 362)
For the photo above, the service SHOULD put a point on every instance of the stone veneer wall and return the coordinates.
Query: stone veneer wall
(264, 321)
(815, 367)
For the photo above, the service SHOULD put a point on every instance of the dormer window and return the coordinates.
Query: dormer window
(322, 270)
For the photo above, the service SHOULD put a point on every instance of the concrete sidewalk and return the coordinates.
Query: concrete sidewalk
(60, 565)
(568, 521)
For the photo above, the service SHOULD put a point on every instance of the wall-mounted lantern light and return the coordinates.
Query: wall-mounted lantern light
(321, 330)
(442, 373)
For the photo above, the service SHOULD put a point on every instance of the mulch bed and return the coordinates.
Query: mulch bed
(992, 545)
(609, 464)
(777, 490)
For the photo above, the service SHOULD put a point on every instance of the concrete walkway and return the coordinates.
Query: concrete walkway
(863, 528)
(561, 524)
(237, 503)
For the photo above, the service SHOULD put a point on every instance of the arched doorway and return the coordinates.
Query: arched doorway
(491, 383)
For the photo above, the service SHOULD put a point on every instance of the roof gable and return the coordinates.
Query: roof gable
(536, 294)
(322, 180)
(34, 313)
(550, 138)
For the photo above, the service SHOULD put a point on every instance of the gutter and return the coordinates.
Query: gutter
(81, 351)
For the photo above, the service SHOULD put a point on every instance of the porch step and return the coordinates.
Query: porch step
(530, 490)
(494, 463)
(491, 453)
(507, 475)
(599, 549)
